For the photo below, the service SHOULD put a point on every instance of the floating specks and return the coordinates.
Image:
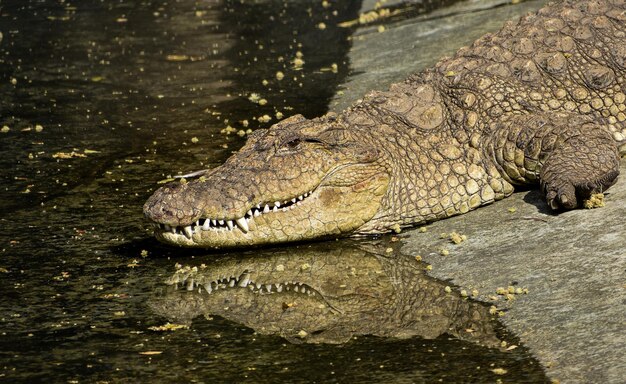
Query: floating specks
(168, 327)
(150, 353)
(499, 371)
(280, 75)
(176, 57)
(68, 155)
(254, 97)
(5, 129)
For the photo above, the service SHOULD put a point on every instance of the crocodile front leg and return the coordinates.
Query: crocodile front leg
(571, 156)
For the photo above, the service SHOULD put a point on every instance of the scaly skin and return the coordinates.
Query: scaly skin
(330, 293)
(540, 102)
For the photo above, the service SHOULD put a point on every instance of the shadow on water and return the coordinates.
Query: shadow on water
(101, 99)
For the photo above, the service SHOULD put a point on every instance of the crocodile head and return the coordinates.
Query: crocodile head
(301, 179)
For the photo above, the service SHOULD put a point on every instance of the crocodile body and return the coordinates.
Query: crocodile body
(540, 102)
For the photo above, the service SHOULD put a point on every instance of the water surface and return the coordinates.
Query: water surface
(101, 100)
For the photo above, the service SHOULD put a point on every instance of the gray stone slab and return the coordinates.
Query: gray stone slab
(573, 264)
(379, 59)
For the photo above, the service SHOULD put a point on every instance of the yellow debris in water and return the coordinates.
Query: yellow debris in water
(254, 97)
(499, 371)
(168, 327)
(264, 119)
(176, 57)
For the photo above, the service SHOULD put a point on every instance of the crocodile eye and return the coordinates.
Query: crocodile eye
(293, 143)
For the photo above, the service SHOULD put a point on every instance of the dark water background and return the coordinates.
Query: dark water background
(134, 91)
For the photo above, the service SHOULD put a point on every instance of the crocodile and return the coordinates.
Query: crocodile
(327, 294)
(541, 102)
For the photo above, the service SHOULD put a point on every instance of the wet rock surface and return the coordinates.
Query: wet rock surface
(572, 264)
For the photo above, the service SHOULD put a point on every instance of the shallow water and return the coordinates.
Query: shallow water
(102, 99)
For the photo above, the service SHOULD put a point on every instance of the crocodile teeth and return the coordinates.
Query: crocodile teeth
(188, 231)
(277, 204)
(230, 224)
(231, 283)
(249, 213)
(206, 225)
(266, 209)
(300, 198)
(243, 224)
(275, 209)
(244, 281)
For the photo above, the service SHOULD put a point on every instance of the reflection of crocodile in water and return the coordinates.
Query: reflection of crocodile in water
(326, 294)
(540, 102)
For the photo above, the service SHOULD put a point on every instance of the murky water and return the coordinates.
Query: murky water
(102, 99)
